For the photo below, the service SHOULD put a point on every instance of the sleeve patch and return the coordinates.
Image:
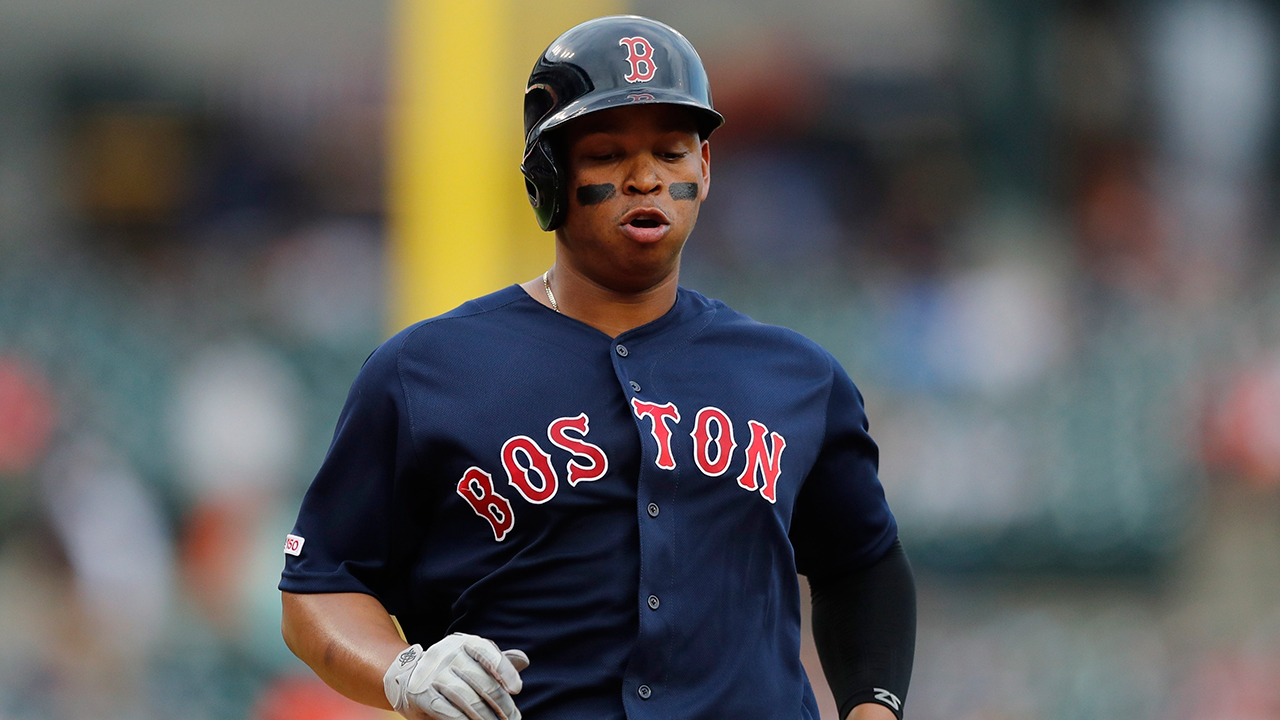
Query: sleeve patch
(293, 545)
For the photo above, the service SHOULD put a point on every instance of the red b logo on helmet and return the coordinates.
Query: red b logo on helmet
(640, 56)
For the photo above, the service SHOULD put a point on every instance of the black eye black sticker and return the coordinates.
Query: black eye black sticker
(595, 194)
(684, 191)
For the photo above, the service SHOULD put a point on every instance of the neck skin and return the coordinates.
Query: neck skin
(610, 311)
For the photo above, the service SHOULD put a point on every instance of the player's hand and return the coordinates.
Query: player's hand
(462, 676)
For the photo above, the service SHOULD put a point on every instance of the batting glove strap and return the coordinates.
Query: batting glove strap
(396, 682)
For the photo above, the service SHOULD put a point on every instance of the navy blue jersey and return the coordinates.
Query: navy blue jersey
(631, 512)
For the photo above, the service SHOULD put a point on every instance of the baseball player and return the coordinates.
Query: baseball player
(589, 496)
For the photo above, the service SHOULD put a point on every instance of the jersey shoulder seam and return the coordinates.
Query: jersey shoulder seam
(455, 314)
(794, 337)
(710, 315)
(404, 340)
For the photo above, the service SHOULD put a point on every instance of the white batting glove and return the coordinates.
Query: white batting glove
(462, 676)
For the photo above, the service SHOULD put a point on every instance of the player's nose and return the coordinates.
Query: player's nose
(643, 177)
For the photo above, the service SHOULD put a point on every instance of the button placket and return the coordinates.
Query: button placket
(654, 560)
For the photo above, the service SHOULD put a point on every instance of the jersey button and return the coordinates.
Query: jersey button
(654, 602)
(644, 692)
(653, 509)
(621, 349)
(635, 386)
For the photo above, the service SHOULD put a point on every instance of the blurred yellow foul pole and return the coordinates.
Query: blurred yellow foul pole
(459, 223)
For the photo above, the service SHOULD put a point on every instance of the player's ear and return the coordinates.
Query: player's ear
(706, 170)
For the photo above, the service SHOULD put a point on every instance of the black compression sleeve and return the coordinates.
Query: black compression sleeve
(864, 624)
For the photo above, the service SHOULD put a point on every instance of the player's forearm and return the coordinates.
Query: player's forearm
(864, 624)
(348, 639)
(871, 711)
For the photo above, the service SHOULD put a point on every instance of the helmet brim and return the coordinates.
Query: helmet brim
(707, 119)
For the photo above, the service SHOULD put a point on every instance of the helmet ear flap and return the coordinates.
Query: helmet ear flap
(544, 184)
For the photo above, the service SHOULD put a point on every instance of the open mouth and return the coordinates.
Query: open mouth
(645, 225)
(645, 218)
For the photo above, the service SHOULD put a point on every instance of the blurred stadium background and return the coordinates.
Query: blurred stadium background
(1042, 238)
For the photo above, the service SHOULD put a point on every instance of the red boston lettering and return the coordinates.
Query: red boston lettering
(476, 487)
(598, 462)
(702, 441)
(769, 462)
(658, 416)
(538, 461)
(640, 57)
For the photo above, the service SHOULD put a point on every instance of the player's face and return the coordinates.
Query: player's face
(637, 176)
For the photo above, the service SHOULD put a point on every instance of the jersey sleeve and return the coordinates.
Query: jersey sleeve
(841, 519)
(350, 522)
